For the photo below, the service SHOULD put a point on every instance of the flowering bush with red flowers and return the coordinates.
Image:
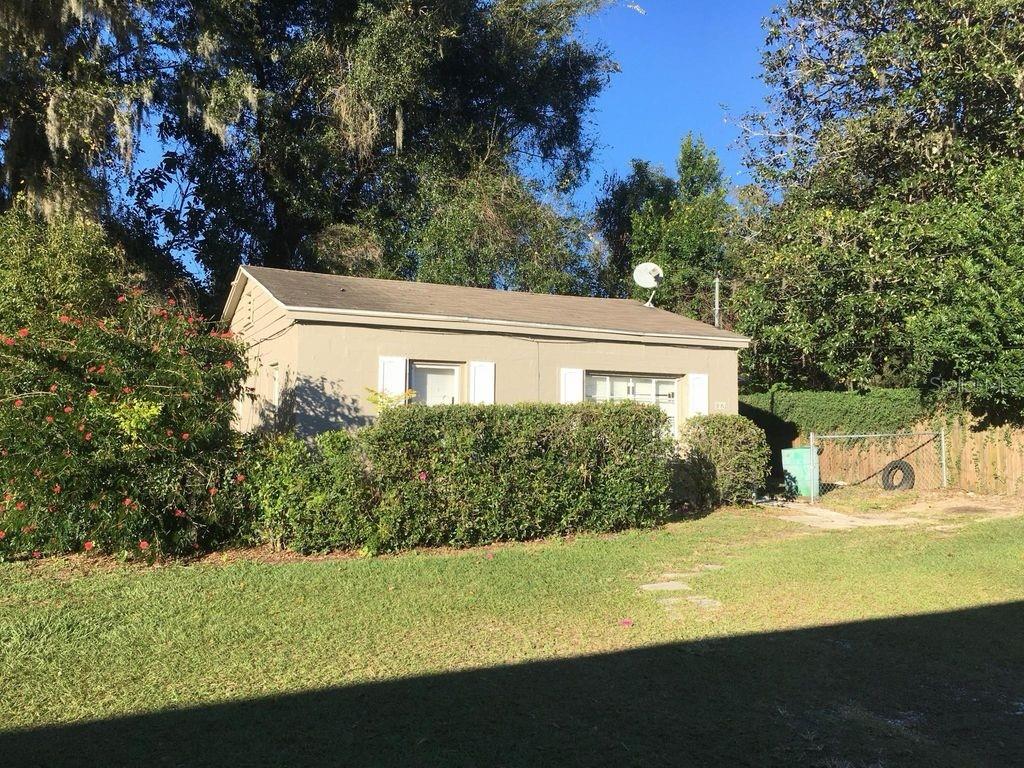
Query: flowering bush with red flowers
(115, 405)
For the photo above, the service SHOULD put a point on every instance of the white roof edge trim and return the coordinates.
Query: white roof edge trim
(741, 341)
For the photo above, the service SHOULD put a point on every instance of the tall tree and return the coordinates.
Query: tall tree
(75, 78)
(681, 224)
(622, 198)
(312, 133)
(892, 152)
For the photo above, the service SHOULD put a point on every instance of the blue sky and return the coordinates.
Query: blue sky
(686, 65)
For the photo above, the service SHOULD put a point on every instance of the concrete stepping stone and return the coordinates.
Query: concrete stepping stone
(680, 576)
(710, 567)
(704, 602)
(668, 602)
(665, 586)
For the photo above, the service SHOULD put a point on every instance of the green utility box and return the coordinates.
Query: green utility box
(800, 468)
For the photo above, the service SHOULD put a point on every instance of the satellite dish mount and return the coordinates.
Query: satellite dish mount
(649, 275)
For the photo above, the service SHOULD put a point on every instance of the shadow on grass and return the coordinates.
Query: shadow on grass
(935, 690)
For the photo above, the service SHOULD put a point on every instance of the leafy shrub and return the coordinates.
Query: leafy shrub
(800, 412)
(463, 475)
(309, 497)
(725, 459)
(116, 408)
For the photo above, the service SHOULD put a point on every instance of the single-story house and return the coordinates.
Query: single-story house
(321, 345)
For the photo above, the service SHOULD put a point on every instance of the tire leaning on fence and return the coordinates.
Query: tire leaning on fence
(900, 468)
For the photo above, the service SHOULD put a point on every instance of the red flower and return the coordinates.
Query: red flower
(213, 491)
(171, 302)
(23, 332)
(185, 435)
(56, 487)
(179, 513)
(37, 472)
(127, 502)
(127, 390)
(65, 319)
(101, 325)
(170, 433)
(37, 554)
(229, 365)
(49, 419)
(423, 475)
(625, 622)
(101, 368)
(18, 403)
(68, 409)
(93, 392)
(3, 534)
(20, 505)
(87, 435)
(239, 478)
(87, 545)
(121, 299)
(53, 387)
(143, 544)
(8, 341)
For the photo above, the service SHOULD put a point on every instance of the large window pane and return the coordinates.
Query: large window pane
(620, 387)
(643, 390)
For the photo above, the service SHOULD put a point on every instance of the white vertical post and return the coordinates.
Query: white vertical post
(810, 467)
(942, 447)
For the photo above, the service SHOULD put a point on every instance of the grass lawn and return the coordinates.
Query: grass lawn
(872, 647)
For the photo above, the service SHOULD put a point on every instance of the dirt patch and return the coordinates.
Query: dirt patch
(941, 510)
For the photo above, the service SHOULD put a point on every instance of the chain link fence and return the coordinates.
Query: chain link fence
(898, 461)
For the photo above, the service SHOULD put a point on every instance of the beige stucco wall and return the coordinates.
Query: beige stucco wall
(327, 363)
(341, 362)
(270, 335)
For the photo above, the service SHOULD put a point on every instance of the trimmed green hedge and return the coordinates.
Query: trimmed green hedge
(786, 415)
(465, 475)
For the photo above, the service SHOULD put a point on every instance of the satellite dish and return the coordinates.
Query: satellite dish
(649, 275)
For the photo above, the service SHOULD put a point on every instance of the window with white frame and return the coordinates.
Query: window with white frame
(616, 387)
(435, 383)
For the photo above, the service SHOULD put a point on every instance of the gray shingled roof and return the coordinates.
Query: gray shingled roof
(320, 291)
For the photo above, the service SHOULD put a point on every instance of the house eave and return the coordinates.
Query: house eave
(340, 315)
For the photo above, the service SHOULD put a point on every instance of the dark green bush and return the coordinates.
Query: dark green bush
(724, 459)
(464, 475)
(115, 406)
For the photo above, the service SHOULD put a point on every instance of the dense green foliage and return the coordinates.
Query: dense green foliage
(464, 475)
(115, 407)
(334, 136)
(308, 133)
(680, 224)
(799, 413)
(307, 496)
(725, 459)
(892, 257)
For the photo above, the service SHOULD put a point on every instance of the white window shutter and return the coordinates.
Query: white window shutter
(481, 383)
(572, 385)
(392, 375)
(697, 386)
